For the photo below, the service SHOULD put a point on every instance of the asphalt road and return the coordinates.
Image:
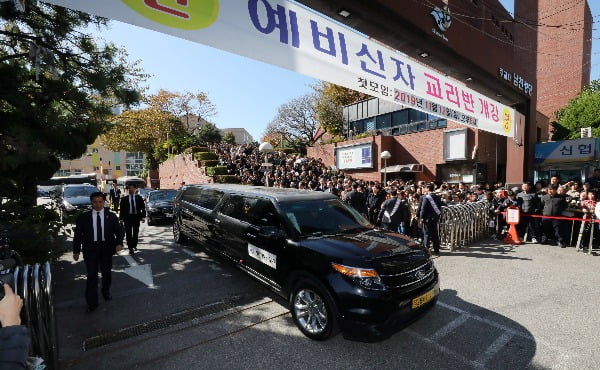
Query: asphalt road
(176, 307)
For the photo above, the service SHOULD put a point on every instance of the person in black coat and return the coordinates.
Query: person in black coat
(374, 201)
(394, 213)
(133, 211)
(99, 235)
(553, 204)
(115, 196)
(356, 200)
(429, 211)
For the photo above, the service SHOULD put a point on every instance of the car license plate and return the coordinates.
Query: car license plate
(423, 298)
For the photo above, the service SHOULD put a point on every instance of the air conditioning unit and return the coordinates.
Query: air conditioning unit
(586, 132)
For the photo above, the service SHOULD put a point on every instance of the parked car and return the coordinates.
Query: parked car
(71, 198)
(337, 270)
(159, 205)
(143, 192)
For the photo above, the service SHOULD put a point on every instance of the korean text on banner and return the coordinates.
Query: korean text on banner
(285, 34)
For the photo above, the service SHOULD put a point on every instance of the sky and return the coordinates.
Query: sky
(246, 93)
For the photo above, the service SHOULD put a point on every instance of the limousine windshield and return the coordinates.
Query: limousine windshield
(314, 217)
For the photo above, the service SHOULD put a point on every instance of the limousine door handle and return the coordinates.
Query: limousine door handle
(251, 235)
(217, 221)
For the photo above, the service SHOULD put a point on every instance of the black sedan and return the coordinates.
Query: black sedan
(159, 205)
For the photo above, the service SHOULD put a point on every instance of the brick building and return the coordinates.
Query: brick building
(523, 62)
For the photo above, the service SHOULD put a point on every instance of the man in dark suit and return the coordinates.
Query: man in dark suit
(356, 199)
(115, 196)
(99, 234)
(429, 211)
(133, 211)
(394, 213)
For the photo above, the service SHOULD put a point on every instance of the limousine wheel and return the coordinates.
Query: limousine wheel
(177, 234)
(313, 310)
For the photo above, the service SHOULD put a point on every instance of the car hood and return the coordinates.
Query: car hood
(367, 244)
(78, 201)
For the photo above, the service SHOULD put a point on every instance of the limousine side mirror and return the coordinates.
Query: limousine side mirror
(272, 232)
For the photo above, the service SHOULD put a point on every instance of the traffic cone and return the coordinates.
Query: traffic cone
(512, 237)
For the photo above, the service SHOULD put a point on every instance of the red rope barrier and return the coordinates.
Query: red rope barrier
(533, 215)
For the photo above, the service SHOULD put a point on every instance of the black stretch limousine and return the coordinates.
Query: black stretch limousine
(337, 270)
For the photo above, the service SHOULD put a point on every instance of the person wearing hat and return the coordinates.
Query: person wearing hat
(394, 213)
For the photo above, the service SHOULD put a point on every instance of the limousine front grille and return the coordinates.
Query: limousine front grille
(410, 279)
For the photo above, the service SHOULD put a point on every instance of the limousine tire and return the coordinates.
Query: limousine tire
(177, 233)
(313, 310)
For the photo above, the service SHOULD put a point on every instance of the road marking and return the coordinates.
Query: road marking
(450, 327)
(142, 273)
(486, 321)
(455, 355)
(494, 348)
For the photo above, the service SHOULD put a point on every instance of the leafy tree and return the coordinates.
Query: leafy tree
(141, 131)
(176, 144)
(330, 103)
(192, 108)
(57, 87)
(582, 111)
(208, 133)
(229, 138)
(295, 122)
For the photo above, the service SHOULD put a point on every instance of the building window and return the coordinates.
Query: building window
(118, 168)
(96, 168)
(134, 163)
(94, 150)
(62, 173)
(400, 117)
(384, 121)
(76, 172)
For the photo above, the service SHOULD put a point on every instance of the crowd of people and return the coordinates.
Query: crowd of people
(553, 198)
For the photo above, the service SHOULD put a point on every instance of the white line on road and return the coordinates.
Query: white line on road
(494, 348)
(445, 330)
(189, 252)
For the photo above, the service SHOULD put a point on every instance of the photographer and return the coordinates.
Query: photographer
(14, 339)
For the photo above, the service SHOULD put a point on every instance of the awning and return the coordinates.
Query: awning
(412, 167)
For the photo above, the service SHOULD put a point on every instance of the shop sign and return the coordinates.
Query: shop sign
(285, 34)
(578, 150)
(516, 80)
(354, 156)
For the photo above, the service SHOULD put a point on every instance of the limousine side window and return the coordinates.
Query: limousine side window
(255, 211)
(202, 198)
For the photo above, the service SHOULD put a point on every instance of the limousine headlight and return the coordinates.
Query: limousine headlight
(366, 278)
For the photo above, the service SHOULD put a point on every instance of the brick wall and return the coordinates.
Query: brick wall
(182, 168)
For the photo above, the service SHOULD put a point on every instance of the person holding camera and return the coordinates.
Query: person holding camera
(99, 234)
(14, 338)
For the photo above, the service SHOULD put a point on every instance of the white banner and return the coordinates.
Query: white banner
(285, 34)
(354, 156)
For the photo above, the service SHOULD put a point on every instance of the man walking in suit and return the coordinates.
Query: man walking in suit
(115, 196)
(133, 211)
(394, 213)
(99, 234)
(429, 211)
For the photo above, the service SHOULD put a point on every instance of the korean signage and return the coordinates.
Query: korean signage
(285, 34)
(354, 156)
(516, 80)
(579, 150)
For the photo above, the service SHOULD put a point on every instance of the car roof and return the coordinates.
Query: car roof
(279, 194)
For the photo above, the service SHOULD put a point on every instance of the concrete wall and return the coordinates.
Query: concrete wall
(182, 168)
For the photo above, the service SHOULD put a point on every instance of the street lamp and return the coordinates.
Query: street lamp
(385, 156)
(266, 148)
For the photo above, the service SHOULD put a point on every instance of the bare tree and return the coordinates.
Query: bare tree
(296, 122)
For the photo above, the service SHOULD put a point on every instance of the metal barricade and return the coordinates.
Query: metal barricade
(462, 224)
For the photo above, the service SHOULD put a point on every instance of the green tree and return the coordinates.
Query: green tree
(142, 131)
(208, 133)
(582, 111)
(330, 102)
(229, 137)
(57, 88)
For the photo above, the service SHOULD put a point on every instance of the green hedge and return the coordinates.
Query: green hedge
(216, 171)
(205, 156)
(211, 163)
(195, 149)
(227, 179)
